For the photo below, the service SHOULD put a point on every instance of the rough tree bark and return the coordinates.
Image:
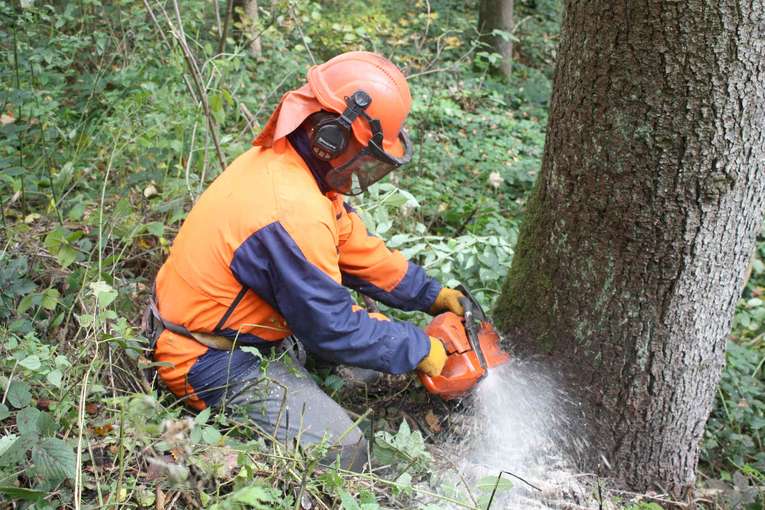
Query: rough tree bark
(638, 234)
(497, 15)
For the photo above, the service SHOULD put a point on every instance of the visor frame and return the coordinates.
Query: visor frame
(339, 177)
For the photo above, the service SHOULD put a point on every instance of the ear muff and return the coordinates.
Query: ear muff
(329, 138)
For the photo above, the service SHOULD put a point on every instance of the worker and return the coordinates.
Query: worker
(269, 250)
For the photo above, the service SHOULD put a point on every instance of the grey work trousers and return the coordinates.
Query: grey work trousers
(286, 402)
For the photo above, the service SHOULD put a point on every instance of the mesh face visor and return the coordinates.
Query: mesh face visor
(371, 163)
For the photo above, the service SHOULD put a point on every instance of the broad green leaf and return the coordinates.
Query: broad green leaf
(257, 496)
(4, 412)
(21, 493)
(103, 292)
(50, 299)
(210, 435)
(403, 484)
(27, 422)
(31, 362)
(155, 228)
(54, 377)
(53, 459)
(66, 255)
(348, 502)
(18, 394)
(202, 417)
(487, 483)
(25, 303)
(46, 425)
(6, 442)
(85, 319)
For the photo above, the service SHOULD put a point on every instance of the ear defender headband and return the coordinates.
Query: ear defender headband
(330, 136)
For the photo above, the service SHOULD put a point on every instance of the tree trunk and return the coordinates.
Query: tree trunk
(246, 16)
(251, 12)
(497, 15)
(637, 237)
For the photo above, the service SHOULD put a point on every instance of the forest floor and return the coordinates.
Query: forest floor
(105, 147)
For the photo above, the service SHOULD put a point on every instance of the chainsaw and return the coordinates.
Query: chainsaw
(472, 348)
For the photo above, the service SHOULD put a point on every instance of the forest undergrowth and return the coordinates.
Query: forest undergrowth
(114, 117)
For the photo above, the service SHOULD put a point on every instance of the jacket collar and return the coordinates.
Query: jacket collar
(302, 145)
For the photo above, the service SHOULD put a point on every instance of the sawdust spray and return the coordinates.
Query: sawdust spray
(521, 423)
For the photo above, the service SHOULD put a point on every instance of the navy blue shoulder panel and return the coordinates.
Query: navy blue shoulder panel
(319, 310)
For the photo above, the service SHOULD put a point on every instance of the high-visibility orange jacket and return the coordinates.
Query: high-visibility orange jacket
(265, 253)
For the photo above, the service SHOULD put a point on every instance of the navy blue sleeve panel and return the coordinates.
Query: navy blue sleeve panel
(415, 291)
(319, 310)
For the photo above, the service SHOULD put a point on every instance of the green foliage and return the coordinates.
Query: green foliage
(104, 150)
(404, 450)
(734, 442)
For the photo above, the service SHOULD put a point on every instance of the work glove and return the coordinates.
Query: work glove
(433, 363)
(448, 299)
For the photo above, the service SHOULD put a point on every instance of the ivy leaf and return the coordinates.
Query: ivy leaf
(54, 459)
(18, 394)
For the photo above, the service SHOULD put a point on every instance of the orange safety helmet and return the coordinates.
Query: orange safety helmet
(377, 124)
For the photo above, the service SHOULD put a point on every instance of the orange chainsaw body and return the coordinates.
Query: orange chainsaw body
(464, 366)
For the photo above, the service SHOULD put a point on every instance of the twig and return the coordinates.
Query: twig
(169, 47)
(464, 482)
(10, 380)
(277, 87)
(226, 22)
(452, 67)
(216, 8)
(188, 161)
(496, 484)
(302, 35)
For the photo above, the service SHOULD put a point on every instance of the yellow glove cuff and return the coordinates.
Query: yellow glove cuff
(448, 299)
(434, 362)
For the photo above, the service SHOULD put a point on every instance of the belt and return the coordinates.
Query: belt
(154, 324)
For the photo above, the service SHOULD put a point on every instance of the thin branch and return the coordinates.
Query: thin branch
(302, 35)
(216, 8)
(226, 23)
(191, 63)
(169, 46)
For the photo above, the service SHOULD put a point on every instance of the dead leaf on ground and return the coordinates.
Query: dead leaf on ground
(433, 422)
(160, 503)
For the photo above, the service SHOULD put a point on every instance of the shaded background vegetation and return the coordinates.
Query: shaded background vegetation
(105, 146)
